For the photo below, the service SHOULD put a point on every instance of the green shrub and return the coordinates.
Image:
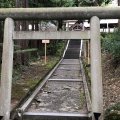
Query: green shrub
(113, 112)
(55, 47)
(111, 44)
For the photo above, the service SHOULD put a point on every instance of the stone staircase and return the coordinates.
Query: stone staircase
(73, 50)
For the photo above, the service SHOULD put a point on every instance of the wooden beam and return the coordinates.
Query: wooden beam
(51, 35)
(57, 13)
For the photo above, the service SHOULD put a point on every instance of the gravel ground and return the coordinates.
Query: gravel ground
(70, 61)
(71, 67)
(66, 74)
(63, 97)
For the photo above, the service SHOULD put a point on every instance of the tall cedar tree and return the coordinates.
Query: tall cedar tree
(25, 43)
(33, 43)
(17, 57)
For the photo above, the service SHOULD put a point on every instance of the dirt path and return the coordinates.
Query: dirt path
(111, 81)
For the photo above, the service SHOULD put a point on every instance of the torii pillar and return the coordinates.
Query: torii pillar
(7, 67)
(96, 69)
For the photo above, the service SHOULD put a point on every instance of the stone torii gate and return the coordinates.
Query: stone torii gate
(92, 13)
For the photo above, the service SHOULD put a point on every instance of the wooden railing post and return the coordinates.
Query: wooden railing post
(7, 67)
(88, 52)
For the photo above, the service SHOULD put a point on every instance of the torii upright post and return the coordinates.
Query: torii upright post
(7, 67)
(96, 69)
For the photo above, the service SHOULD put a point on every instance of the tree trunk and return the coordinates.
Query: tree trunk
(96, 2)
(1, 32)
(60, 23)
(34, 42)
(1, 39)
(119, 19)
(17, 57)
(25, 43)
